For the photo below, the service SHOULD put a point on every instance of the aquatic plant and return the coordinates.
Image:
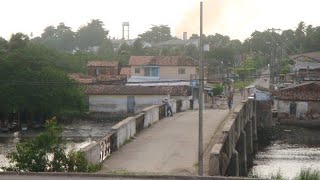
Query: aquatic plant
(308, 174)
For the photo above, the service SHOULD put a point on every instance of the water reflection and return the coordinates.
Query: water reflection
(287, 158)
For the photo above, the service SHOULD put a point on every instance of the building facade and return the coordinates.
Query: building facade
(164, 67)
(96, 68)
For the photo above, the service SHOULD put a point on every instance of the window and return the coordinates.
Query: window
(97, 71)
(137, 70)
(181, 71)
(147, 72)
(151, 71)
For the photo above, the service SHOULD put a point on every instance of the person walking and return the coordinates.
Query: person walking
(230, 100)
(168, 107)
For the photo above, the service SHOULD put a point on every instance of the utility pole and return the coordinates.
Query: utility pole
(274, 62)
(201, 104)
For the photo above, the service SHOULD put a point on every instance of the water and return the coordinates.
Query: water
(289, 159)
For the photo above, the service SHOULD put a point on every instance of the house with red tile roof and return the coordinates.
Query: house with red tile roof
(164, 67)
(307, 66)
(96, 68)
(298, 102)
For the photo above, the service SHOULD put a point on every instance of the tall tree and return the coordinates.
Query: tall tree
(61, 38)
(3, 44)
(18, 40)
(92, 34)
(157, 34)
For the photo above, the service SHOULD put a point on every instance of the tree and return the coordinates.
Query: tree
(93, 34)
(217, 90)
(35, 82)
(33, 155)
(3, 44)
(300, 35)
(106, 48)
(61, 38)
(194, 36)
(157, 34)
(49, 32)
(17, 41)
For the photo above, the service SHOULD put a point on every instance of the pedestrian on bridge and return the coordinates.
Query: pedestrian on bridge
(168, 108)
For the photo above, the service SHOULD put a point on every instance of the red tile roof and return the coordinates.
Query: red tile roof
(301, 92)
(138, 90)
(102, 78)
(82, 78)
(103, 63)
(163, 61)
(123, 90)
(312, 55)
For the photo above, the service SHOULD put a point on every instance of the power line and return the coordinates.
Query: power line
(116, 82)
(292, 44)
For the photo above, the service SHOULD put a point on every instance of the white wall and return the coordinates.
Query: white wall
(143, 101)
(107, 103)
(118, 103)
(284, 107)
(302, 108)
(125, 129)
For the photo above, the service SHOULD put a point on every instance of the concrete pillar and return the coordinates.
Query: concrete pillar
(254, 129)
(249, 140)
(242, 150)
(233, 168)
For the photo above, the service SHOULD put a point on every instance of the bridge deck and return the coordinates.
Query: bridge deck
(168, 147)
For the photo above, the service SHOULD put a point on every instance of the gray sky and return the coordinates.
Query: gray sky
(236, 18)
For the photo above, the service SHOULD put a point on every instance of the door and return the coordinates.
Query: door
(155, 72)
(130, 104)
(293, 108)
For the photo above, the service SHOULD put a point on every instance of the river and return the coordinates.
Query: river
(293, 150)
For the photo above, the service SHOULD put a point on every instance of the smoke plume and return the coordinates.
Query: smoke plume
(219, 16)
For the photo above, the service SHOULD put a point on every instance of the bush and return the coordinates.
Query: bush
(217, 90)
(47, 153)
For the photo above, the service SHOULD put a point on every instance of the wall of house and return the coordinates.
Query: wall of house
(314, 107)
(302, 108)
(168, 72)
(143, 101)
(283, 106)
(284, 109)
(118, 103)
(103, 70)
(108, 103)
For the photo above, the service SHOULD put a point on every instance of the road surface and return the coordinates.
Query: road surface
(168, 147)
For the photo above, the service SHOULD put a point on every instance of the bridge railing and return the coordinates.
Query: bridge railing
(126, 129)
(224, 150)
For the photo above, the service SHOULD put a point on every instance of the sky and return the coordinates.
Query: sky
(235, 18)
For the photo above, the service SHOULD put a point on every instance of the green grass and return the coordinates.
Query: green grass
(277, 176)
(308, 174)
(94, 167)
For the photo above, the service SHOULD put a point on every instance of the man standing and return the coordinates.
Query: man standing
(168, 107)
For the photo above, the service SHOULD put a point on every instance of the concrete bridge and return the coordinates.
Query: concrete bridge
(152, 143)
(149, 143)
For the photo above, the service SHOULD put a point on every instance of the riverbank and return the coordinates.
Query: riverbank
(286, 149)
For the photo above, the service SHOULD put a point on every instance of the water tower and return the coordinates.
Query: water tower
(125, 30)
